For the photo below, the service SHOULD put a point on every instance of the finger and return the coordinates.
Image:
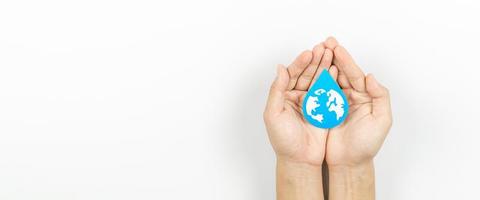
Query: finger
(343, 81)
(297, 67)
(326, 60)
(380, 98)
(306, 77)
(331, 43)
(325, 63)
(295, 96)
(346, 64)
(333, 70)
(276, 97)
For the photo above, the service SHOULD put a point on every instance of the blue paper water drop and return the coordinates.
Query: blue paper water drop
(325, 105)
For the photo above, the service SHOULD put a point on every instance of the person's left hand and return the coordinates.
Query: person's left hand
(358, 139)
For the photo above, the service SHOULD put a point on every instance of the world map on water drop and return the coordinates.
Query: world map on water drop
(325, 105)
(330, 103)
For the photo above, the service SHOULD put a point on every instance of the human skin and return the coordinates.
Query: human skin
(299, 146)
(348, 149)
(351, 147)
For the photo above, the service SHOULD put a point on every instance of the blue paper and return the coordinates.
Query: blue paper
(325, 105)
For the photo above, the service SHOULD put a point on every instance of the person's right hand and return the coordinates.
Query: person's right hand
(299, 146)
(292, 137)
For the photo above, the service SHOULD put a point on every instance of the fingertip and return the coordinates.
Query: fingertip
(306, 56)
(319, 45)
(331, 42)
(331, 38)
(318, 48)
(328, 52)
(333, 67)
(327, 58)
(318, 51)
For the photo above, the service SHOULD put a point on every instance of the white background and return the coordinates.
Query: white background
(163, 100)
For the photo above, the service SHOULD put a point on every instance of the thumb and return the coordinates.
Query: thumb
(380, 98)
(276, 98)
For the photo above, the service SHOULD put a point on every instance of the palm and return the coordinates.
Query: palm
(291, 136)
(353, 140)
(296, 138)
(361, 135)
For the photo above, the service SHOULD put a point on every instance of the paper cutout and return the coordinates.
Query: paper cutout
(325, 105)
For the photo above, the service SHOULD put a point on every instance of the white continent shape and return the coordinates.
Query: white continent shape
(311, 105)
(335, 103)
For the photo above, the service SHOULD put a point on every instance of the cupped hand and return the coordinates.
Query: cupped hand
(358, 139)
(291, 136)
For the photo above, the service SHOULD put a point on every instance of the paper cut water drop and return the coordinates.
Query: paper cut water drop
(325, 105)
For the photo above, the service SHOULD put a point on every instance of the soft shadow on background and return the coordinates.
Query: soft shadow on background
(248, 138)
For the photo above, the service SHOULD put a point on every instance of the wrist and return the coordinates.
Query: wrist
(353, 181)
(298, 170)
(350, 167)
(296, 180)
